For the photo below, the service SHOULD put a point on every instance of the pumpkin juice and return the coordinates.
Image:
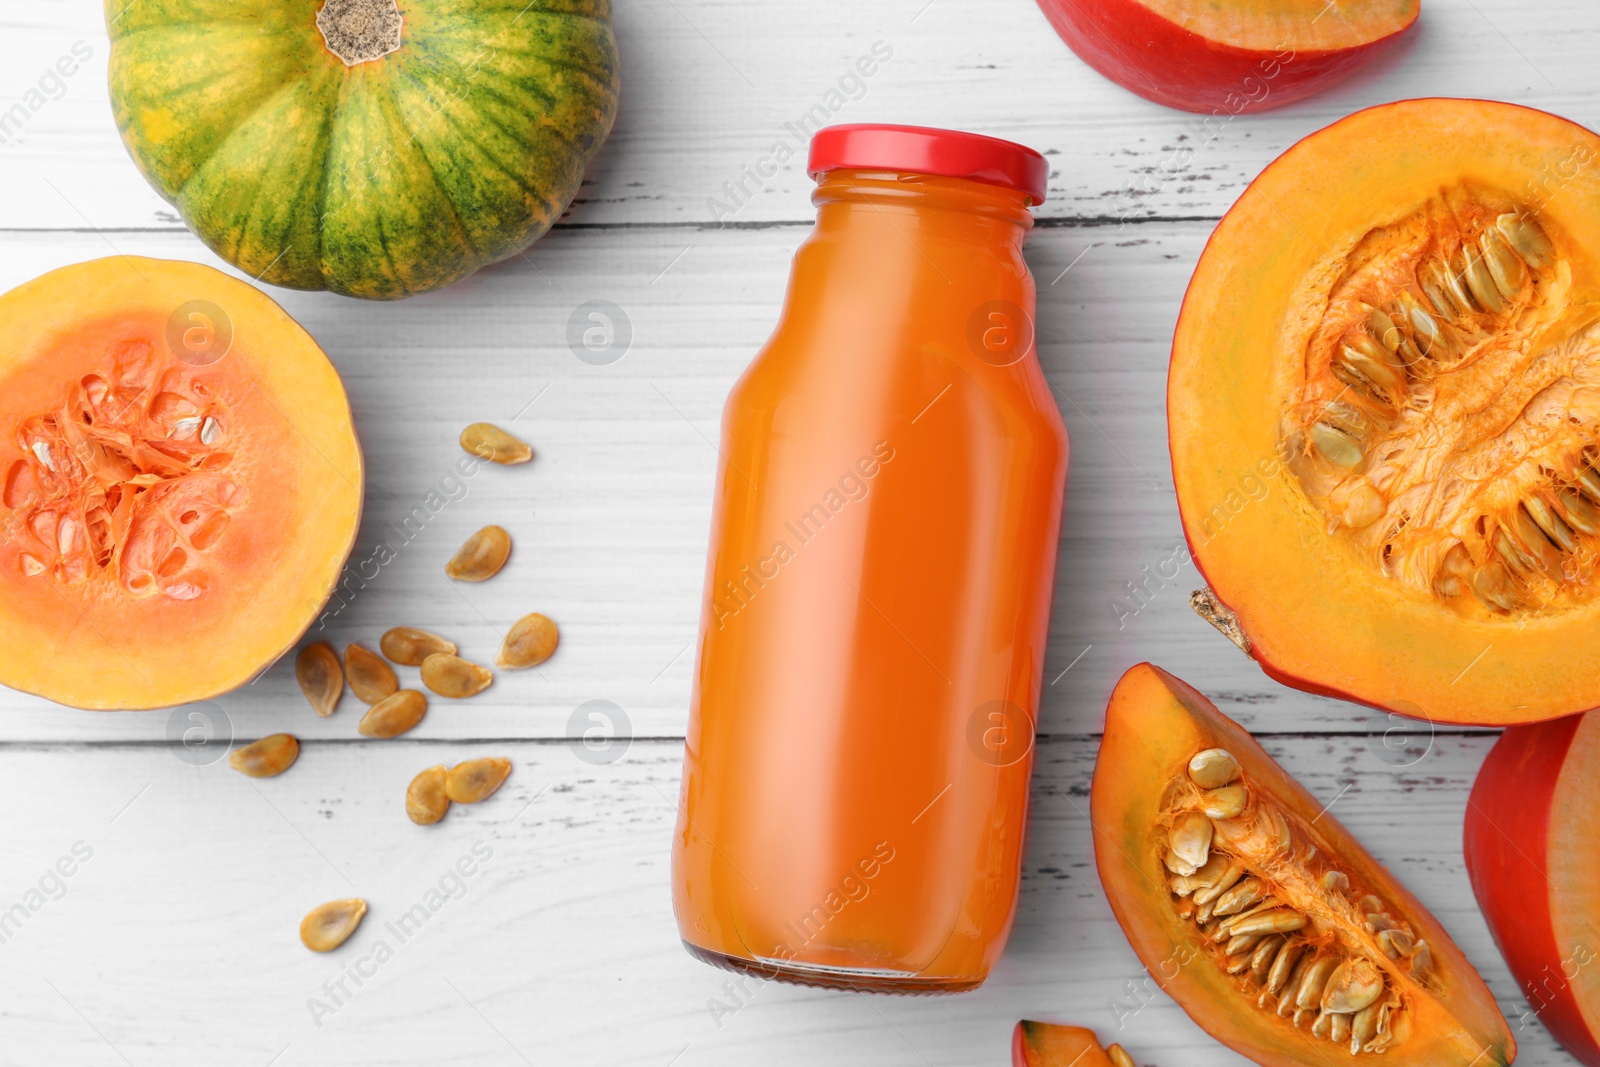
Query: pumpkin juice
(878, 586)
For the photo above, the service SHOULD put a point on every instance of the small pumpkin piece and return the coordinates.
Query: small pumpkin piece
(426, 799)
(330, 925)
(476, 779)
(488, 441)
(451, 676)
(394, 715)
(531, 640)
(371, 679)
(481, 557)
(266, 758)
(321, 679)
(409, 646)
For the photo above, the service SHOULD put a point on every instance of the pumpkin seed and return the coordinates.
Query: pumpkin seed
(1529, 533)
(1396, 943)
(1190, 839)
(1280, 921)
(476, 779)
(1493, 585)
(1506, 268)
(1364, 365)
(1426, 329)
(266, 758)
(30, 566)
(1480, 283)
(210, 431)
(1239, 944)
(1335, 882)
(1580, 514)
(531, 640)
(330, 925)
(1315, 980)
(1225, 803)
(371, 679)
(1265, 953)
(321, 679)
(394, 715)
(1440, 287)
(1588, 483)
(451, 676)
(1247, 894)
(488, 441)
(1283, 966)
(1421, 960)
(1363, 1028)
(1213, 768)
(1525, 235)
(1339, 1032)
(41, 452)
(1232, 871)
(1291, 989)
(409, 646)
(1352, 986)
(481, 557)
(1336, 446)
(426, 799)
(184, 429)
(1119, 1056)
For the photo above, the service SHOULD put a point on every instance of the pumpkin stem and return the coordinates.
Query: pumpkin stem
(359, 31)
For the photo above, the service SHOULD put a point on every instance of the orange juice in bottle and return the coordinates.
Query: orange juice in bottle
(878, 585)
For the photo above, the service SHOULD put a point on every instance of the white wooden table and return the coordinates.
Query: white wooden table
(175, 942)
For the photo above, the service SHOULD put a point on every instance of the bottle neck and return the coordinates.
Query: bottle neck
(947, 209)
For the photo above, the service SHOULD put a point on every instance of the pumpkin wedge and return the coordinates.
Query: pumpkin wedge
(1227, 57)
(1257, 912)
(1530, 835)
(1384, 413)
(371, 147)
(1048, 1045)
(180, 483)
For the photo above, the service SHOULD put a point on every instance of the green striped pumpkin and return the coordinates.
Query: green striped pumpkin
(373, 177)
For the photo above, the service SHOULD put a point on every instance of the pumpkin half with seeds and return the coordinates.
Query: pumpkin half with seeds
(1254, 909)
(181, 483)
(377, 148)
(1384, 408)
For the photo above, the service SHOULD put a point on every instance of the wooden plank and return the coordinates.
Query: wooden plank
(175, 943)
(712, 87)
(610, 520)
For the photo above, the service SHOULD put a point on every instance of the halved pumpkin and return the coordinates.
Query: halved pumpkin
(1048, 1045)
(1227, 56)
(1384, 404)
(180, 483)
(1256, 911)
(1530, 843)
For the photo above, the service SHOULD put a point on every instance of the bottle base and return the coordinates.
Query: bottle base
(848, 978)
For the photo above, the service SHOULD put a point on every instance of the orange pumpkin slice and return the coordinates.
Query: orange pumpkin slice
(180, 483)
(1257, 912)
(1530, 832)
(1048, 1045)
(1384, 408)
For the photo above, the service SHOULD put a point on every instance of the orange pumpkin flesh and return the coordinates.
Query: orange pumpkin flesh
(1046, 1045)
(1530, 851)
(169, 523)
(1442, 1013)
(1384, 462)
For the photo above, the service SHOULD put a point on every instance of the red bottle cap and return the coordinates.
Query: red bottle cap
(923, 150)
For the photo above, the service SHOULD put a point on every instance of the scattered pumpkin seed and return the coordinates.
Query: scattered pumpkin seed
(409, 646)
(266, 758)
(426, 799)
(481, 557)
(394, 715)
(476, 779)
(531, 640)
(321, 679)
(488, 441)
(371, 679)
(330, 925)
(451, 676)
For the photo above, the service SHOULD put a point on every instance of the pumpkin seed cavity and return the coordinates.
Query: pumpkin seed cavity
(124, 482)
(1304, 939)
(1448, 427)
